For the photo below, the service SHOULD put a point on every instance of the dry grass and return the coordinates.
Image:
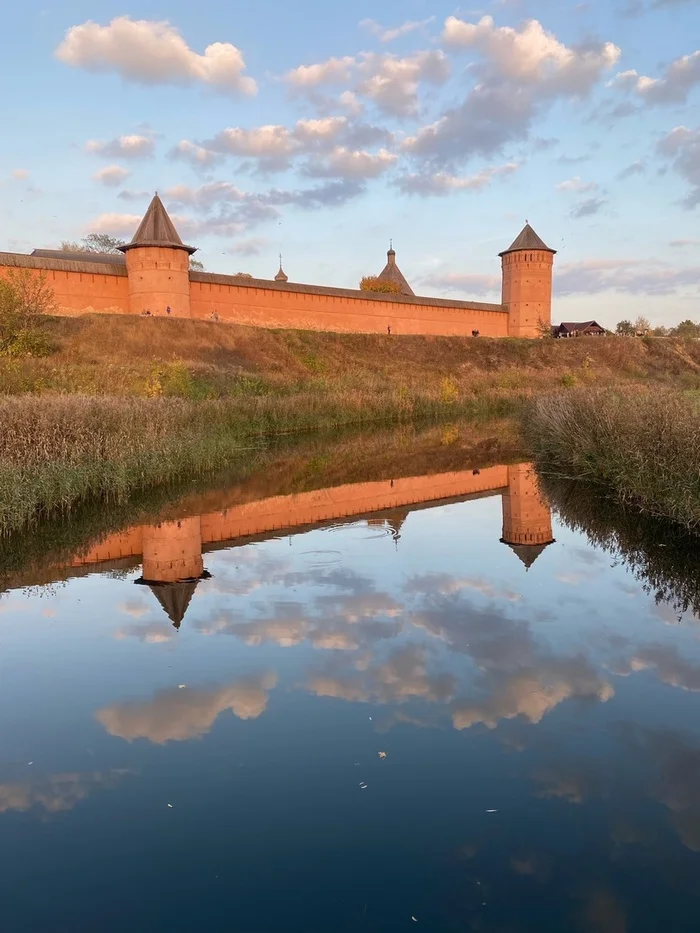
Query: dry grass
(643, 446)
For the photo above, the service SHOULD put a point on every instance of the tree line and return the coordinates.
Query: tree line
(642, 328)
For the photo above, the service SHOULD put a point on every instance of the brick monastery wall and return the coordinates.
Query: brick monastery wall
(90, 287)
(307, 307)
(79, 287)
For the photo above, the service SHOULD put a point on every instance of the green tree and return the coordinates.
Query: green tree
(686, 329)
(25, 298)
(94, 243)
(196, 265)
(372, 283)
(624, 329)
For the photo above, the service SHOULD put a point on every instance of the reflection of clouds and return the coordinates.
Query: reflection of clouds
(57, 791)
(402, 676)
(532, 693)
(443, 584)
(666, 663)
(603, 913)
(177, 715)
(135, 608)
(151, 634)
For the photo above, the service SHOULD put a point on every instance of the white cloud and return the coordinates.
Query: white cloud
(672, 87)
(20, 174)
(521, 73)
(388, 35)
(442, 183)
(196, 155)
(342, 162)
(682, 147)
(389, 81)
(249, 246)
(123, 147)
(532, 54)
(332, 71)
(153, 52)
(587, 208)
(119, 225)
(112, 176)
(576, 184)
(392, 82)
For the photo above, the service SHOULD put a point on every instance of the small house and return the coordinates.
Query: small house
(578, 329)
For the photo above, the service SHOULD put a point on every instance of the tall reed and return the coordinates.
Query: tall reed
(641, 447)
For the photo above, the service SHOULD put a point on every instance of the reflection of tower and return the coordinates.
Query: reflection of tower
(392, 521)
(172, 564)
(527, 519)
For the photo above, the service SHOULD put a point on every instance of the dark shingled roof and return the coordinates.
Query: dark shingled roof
(75, 255)
(157, 229)
(526, 239)
(528, 553)
(392, 273)
(581, 325)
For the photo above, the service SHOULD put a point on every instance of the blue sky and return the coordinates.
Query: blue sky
(320, 131)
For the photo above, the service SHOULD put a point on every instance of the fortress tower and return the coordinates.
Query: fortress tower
(158, 266)
(527, 267)
(527, 519)
(172, 564)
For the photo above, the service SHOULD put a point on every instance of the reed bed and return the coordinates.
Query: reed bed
(58, 451)
(640, 447)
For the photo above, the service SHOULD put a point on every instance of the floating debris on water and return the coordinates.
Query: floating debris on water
(382, 754)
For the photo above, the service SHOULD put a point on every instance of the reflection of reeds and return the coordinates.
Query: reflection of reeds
(663, 558)
(643, 447)
(287, 467)
(57, 451)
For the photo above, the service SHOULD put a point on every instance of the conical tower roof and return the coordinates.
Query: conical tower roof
(174, 598)
(528, 553)
(526, 239)
(392, 273)
(157, 229)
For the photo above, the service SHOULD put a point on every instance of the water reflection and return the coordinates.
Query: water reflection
(213, 686)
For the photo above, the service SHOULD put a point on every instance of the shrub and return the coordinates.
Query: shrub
(372, 283)
(24, 300)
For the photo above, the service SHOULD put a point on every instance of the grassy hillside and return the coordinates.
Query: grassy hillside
(114, 355)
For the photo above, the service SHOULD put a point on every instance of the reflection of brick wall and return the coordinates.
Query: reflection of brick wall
(169, 549)
(172, 551)
(527, 519)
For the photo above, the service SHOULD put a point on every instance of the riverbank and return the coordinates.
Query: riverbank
(127, 404)
(639, 447)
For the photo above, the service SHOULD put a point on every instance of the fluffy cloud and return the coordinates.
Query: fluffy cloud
(442, 183)
(388, 35)
(682, 147)
(634, 168)
(667, 664)
(196, 155)
(123, 147)
(152, 52)
(20, 174)
(520, 72)
(389, 81)
(532, 55)
(249, 246)
(672, 87)
(177, 715)
(351, 163)
(635, 276)
(112, 176)
(119, 225)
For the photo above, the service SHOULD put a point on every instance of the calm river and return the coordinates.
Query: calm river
(346, 695)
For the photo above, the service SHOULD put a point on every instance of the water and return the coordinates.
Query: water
(362, 710)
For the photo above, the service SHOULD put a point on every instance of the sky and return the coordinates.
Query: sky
(322, 131)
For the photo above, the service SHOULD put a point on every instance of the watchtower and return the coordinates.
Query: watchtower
(158, 266)
(527, 267)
